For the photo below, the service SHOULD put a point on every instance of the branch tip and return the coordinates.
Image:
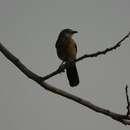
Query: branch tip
(128, 101)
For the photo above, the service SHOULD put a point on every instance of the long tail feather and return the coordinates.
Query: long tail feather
(72, 75)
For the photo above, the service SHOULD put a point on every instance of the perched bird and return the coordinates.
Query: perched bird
(66, 50)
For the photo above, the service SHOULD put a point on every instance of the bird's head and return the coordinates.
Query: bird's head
(67, 33)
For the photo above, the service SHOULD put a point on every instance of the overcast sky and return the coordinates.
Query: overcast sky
(29, 29)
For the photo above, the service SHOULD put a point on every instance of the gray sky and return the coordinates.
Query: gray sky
(29, 28)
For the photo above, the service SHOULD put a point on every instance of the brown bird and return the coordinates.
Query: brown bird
(66, 51)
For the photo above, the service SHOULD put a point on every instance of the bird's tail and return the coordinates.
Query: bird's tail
(72, 74)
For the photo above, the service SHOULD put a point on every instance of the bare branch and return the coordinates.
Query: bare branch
(124, 119)
(118, 44)
(98, 53)
(128, 101)
(18, 63)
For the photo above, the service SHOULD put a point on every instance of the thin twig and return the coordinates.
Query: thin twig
(118, 44)
(98, 53)
(128, 101)
(118, 117)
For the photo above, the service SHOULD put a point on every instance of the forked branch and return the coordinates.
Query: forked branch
(98, 53)
(123, 118)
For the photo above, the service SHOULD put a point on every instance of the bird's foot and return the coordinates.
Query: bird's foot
(61, 68)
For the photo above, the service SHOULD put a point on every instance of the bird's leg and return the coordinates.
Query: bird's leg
(62, 63)
(61, 67)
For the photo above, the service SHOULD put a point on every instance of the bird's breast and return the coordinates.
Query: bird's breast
(67, 50)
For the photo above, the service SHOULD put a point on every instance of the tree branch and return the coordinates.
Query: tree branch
(124, 119)
(128, 101)
(98, 53)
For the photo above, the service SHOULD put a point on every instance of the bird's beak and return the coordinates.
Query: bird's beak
(74, 32)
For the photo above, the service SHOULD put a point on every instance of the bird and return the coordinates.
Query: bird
(66, 49)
